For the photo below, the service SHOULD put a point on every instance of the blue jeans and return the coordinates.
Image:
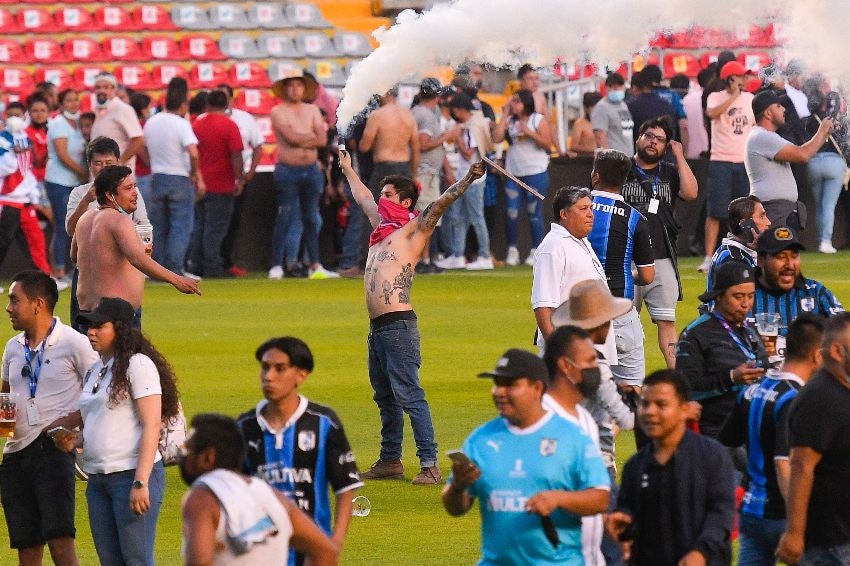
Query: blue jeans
(469, 211)
(298, 192)
(58, 196)
(515, 197)
(759, 539)
(352, 239)
(394, 362)
(819, 556)
(120, 536)
(212, 219)
(726, 182)
(144, 185)
(171, 210)
(826, 175)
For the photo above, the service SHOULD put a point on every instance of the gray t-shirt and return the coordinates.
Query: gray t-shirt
(616, 121)
(769, 179)
(140, 216)
(428, 122)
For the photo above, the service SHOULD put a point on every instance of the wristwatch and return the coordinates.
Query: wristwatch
(138, 484)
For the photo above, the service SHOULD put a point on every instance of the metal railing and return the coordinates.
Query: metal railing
(564, 97)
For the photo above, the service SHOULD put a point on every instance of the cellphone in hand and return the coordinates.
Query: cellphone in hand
(748, 228)
(458, 457)
(550, 531)
(60, 432)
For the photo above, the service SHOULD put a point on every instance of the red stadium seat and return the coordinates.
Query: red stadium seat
(153, 18)
(115, 18)
(713, 37)
(680, 63)
(134, 76)
(75, 19)
(201, 47)
(708, 58)
(754, 60)
(11, 52)
(161, 75)
(258, 102)
(16, 80)
(207, 75)
(752, 36)
(84, 77)
(769, 35)
(8, 23)
(265, 124)
(56, 75)
(249, 74)
(87, 101)
(84, 49)
(161, 47)
(660, 41)
(683, 40)
(38, 20)
(45, 51)
(123, 49)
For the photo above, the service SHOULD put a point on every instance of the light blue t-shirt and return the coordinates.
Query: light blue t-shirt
(56, 171)
(515, 464)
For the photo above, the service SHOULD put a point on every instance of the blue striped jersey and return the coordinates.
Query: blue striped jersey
(807, 295)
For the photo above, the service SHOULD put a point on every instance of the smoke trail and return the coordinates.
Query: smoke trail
(510, 32)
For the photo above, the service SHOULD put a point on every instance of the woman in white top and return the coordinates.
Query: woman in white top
(529, 136)
(126, 396)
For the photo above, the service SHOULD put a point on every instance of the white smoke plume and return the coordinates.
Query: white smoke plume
(511, 32)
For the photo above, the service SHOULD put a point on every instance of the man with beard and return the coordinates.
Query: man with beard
(781, 287)
(116, 119)
(652, 187)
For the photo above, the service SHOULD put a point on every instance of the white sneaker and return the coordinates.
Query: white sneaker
(705, 265)
(530, 259)
(513, 256)
(826, 247)
(480, 264)
(192, 276)
(452, 262)
(61, 284)
(276, 272)
(322, 273)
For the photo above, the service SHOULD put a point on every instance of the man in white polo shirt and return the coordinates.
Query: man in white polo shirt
(564, 258)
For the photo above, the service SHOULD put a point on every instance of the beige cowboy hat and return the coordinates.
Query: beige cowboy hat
(590, 304)
(294, 73)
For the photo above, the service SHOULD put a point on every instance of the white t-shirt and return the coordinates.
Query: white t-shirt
(769, 179)
(112, 434)
(525, 157)
(167, 136)
(249, 130)
(730, 130)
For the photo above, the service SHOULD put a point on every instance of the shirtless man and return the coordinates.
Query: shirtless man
(300, 131)
(393, 138)
(394, 359)
(107, 250)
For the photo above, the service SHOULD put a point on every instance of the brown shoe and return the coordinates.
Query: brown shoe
(351, 273)
(381, 470)
(428, 476)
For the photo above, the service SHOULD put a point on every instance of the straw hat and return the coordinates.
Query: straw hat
(293, 73)
(590, 304)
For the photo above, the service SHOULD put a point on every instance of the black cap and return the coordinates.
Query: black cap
(109, 309)
(728, 275)
(763, 100)
(430, 87)
(778, 239)
(516, 363)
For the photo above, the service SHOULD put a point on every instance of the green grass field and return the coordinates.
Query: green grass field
(466, 320)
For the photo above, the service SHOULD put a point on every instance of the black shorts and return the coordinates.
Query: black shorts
(37, 492)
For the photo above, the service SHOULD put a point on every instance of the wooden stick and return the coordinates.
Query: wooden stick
(501, 170)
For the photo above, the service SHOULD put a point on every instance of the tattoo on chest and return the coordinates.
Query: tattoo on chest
(371, 282)
(385, 255)
(403, 282)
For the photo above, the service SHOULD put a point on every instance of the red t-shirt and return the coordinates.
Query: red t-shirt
(218, 137)
(38, 137)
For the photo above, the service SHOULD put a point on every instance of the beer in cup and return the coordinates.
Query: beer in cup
(8, 414)
(767, 324)
(145, 232)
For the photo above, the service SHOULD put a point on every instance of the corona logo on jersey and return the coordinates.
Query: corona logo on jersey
(609, 209)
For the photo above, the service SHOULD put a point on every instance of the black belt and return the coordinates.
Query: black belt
(390, 317)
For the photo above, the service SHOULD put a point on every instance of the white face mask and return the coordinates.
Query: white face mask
(71, 115)
(15, 124)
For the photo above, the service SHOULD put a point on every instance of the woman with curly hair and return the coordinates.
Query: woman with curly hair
(126, 396)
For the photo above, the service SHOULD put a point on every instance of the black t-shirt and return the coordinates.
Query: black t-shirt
(657, 515)
(820, 420)
(662, 181)
(647, 106)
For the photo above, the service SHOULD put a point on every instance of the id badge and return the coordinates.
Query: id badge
(653, 206)
(33, 417)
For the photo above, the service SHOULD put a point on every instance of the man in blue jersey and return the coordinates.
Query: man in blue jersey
(781, 287)
(621, 237)
(298, 446)
(534, 473)
(759, 421)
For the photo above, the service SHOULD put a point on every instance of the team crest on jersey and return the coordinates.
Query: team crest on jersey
(548, 446)
(306, 440)
(807, 304)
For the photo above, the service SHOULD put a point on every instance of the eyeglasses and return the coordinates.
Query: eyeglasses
(653, 138)
(100, 375)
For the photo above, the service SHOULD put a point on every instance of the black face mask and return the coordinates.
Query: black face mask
(591, 379)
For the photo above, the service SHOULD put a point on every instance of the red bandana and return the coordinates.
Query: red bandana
(393, 216)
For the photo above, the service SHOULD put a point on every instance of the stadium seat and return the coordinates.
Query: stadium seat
(59, 76)
(161, 75)
(278, 46)
(240, 46)
(265, 124)
(153, 18)
(708, 58)
(315, 45)
(8, 2)
(84, 77)
(329, 73)
(75, 19)
(306, 16)
(83, 49)
(769, 35)
(161, 47)
(714, 37)
(8, 23)
(228, 16)
(123, 49)
(201, 48)
(190, 17)
(259, 102)
(37, 20)
(207, 75)
(115, 18)
(268, 16)
(754, 60)
(684, 63)
(44, 50)
(639, 61)
(87, 101)
(282, 68)
(352, 44)
(16, 80)
(249, 74)
(134, 76)
(11, 52)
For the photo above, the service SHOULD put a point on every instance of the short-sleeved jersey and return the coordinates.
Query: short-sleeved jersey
(515, 464)
(620, 236)
(728, 250)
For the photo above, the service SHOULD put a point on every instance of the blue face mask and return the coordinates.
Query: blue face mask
(121, 210)
(616, 96)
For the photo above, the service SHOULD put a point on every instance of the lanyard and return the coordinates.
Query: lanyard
(642, 174)
(748, 351)
(30, 371)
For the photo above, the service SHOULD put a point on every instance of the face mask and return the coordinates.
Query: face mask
(616, 96)
(71, 115)
(15, 124)
(121, 210)
(591, 378)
